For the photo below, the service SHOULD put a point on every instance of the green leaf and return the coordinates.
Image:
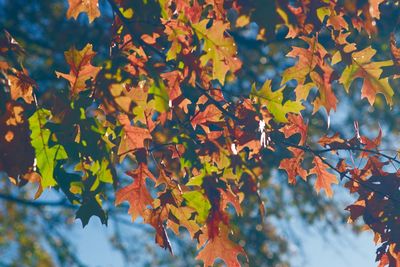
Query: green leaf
(273, 101)
(218, 48)
(46, 156)
(199, 202)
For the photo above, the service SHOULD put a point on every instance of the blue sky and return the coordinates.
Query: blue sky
(340, 250)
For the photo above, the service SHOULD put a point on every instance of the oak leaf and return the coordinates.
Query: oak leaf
(91, 7)
(21, 86)
(324, 178)
(218, 48)
(370, 72)
(136, 193)
(273, 100)
(81, 68)
(46, 155)
(133, 137)
(221, 247)
(293, 167)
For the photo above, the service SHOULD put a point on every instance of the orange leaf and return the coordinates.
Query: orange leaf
(21, 86)
(293, 167)
(81, 68)
(136, 193)
(91, 7)
(324, 178)
(221, 247)
(133, 137)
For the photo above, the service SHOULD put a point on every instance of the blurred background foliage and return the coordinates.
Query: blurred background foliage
(41, 233)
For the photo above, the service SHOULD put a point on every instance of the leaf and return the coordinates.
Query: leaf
(326, 97)
(374, 8)
(308, 59)
(91, 7)
(199, 203)
(370, 72)
(46, 156)
(136, 193)
(210, 114)
(324, 178)
(296, 125)
(91, 208)
(221, 247)
(133, 137)
(218, 48)
(395, 51)
(21, 86)
(273, 101)
(293, 167)
(81, 68)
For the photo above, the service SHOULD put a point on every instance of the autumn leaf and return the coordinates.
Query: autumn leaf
(136, 193)
(81, 68)
(273, 100)
(293, 167)
(210, 114)
(221, 247)
(21, 86)
(46, 155)
(296, 125)
(395, 51)
(324, 178)
(133, 137)
(91, 7)
(308, 58)
(374, 8)
(218, 48)
(370, 72)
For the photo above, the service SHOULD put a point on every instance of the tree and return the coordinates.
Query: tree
(178, 98)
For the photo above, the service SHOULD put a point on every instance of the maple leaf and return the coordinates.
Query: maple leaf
(370, 72)
(218, 48)
(136, 193)
(273, 101)
(132, 138)
(81, 68)
(46, 156)
(293, 167)
(91, 7)
(221, 247)
(324, 178)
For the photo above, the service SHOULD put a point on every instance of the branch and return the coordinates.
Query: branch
(36, 203)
